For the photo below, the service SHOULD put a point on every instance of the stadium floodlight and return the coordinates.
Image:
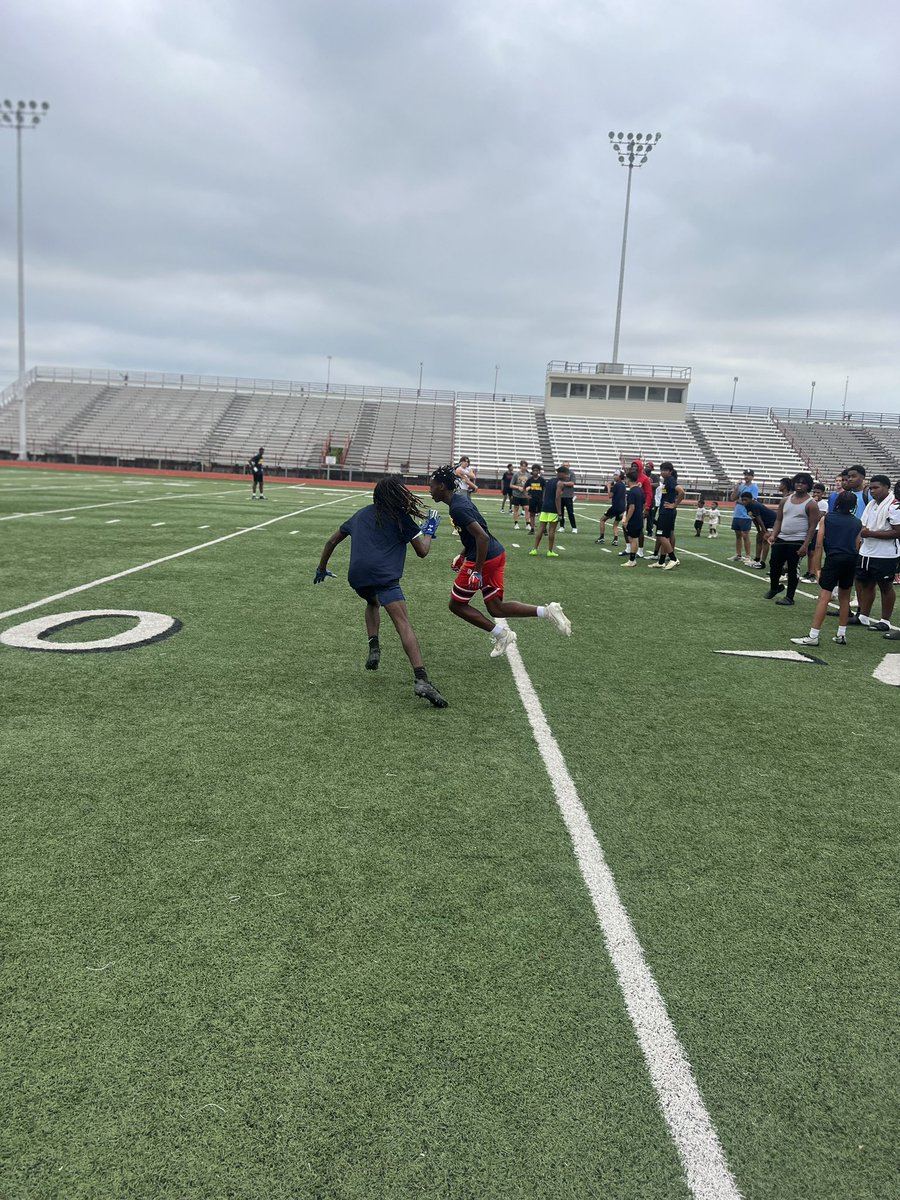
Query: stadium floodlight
(21, 115)
(632, 151)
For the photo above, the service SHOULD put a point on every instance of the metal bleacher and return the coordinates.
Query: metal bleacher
(495, 432)
(742, 440)
(597, 447)
(831, 446)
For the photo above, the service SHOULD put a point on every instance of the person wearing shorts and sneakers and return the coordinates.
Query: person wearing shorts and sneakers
(535, 489)
(551, 511)
(740, 520)
(506, 487)
(841, 539)
(878, 553)
(634, 516)
(671, 496)
(482, 570)
(519, 492)
(616, 511)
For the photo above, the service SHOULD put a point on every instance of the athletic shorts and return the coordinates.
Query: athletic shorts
(876, 570)
(492, 576)
(534, 506)
(839, 571)
(519, 498)
(741, 524)
(256, 474)
(635, 529)
(665, 522)
(380, 593)
(613, 514)
(549, 518)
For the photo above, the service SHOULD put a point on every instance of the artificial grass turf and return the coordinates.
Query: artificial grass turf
(428, 1009)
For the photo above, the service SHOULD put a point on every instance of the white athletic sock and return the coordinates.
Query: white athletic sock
(842, 630)
(497, 630)
(814, 633)
(542, 611)
(863, 620)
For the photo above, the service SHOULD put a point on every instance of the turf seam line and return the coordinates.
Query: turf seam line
(13, 612)
(702, 1157)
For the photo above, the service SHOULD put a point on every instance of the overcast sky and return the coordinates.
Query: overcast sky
(246, 188)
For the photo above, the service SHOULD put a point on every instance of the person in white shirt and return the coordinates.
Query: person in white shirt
(714, 517)
(699, 516)
(878, 554)
(465, 473)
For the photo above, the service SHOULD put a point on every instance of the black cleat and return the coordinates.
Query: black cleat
(426, 689)
(374, 658)
(773, 592)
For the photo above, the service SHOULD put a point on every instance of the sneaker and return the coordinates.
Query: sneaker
(736, 558)
(651, 557)
(854, 619)
(808, 578)
(785, 600)
(671, 564)
(515, 524)
(503, 641)
(530, 528)
(631, 563)
(426, 689)
(772, 592)
(808, 641)
(559, 619)
(623, 553)
(757, 566)
(374, 658)
(532, 551)
(878, 626)
(655, 566)
(893, 636)
(552, 554)
(748, 562)
(598, 541)
(615, 541)
(839, 639)
(574, 530)
(640, 554)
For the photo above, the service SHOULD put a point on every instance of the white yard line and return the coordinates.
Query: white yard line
(50, 512)
(84, 587)
(156, 524)
(699, 1149)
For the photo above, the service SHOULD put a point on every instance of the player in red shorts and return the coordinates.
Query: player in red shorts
(481, 567)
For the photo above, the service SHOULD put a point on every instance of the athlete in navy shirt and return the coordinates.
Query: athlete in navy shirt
(481, 568)
(379, 535)
(841, 539)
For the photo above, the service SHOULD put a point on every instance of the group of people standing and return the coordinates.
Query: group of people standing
(543, 501)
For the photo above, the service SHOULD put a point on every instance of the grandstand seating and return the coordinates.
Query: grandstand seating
(596, 448)
(833, 445)
(739, 441)
(495, 433)
(100, 415)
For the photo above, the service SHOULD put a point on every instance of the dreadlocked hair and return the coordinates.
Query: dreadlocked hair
(446, 476)
(392, 499)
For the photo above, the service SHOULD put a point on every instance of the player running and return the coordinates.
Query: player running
(481, 568)
(379, 535)
(257, 466)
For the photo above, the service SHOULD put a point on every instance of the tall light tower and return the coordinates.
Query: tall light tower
(633, 150)
(19, 115)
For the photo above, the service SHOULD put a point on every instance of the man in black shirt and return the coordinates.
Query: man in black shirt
(671, 496)
(256, 470)
(634, 516)
(616, 510)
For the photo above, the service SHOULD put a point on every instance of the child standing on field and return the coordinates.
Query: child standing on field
(699, 516)
(713, 516)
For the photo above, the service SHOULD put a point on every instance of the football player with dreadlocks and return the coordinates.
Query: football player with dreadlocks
(379, 535)
(481, 567)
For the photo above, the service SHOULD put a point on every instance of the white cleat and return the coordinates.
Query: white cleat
(807, 641)
(559, 619)
(502, 642)
(671, 564)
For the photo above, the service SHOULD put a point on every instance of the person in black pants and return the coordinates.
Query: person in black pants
(568, 499)
(797, 521)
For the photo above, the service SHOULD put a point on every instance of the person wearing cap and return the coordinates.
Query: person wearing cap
(741, 521)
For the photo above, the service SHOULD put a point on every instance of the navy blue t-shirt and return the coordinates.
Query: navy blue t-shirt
(841, 530)
(617, 500)
(636, 498)
(767, 515)
(463, 512)
(377, 552)
(549, 505)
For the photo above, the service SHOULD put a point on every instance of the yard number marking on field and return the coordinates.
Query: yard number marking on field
(780, 655)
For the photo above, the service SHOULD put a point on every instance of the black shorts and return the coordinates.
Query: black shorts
(534, 506)
(635, 527)
(839, 571)
(876, 570)
(519, 498)
(665, 522)
(613, 514)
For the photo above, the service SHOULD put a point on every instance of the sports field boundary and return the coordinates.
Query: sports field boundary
(685, 1114)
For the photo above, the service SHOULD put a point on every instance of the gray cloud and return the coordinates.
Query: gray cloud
(246, 189)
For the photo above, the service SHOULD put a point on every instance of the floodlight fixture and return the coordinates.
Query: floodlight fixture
(25, 114)
(633, 153)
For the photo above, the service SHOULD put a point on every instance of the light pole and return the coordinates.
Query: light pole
(328, 377)
(846, 386)
(633, 150)
(419, 392)
(496, 374)
(23, 114)
(733, 391)
(812, 392)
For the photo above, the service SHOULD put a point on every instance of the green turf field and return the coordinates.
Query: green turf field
(275, 928)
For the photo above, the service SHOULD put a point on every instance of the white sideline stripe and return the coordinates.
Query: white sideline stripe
(84, 587)
(50, 512)
(696, 1141)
